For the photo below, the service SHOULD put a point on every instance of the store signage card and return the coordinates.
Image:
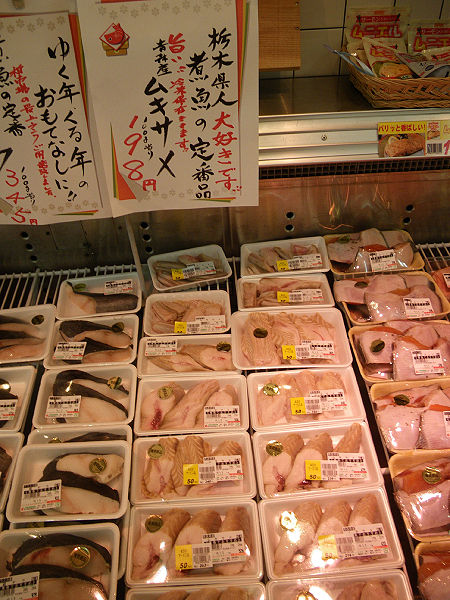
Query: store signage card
(413, 138)
(47, 172)
(174, 90)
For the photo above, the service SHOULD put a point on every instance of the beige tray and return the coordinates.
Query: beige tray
(406, 460)
(416, 264)
(444, 302)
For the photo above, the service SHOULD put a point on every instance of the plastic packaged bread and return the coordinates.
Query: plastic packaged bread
(384, 61)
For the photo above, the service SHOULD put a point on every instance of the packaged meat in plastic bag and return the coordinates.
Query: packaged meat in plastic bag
(424, 35)
(422, 488)
(442, 278)
(384, 61)
(377, 22)
(433, 569)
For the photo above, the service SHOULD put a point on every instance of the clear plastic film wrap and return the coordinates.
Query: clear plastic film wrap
(433, 569)
(422, 488)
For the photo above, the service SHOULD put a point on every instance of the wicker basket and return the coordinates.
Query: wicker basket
(429, 92)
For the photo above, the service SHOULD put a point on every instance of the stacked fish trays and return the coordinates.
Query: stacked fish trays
(86, 401)
(325, 520)
(194, 527)
(400, 337)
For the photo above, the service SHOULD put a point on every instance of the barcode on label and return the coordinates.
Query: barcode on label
(205, 470)
(435, 148)
(329, 471)
(201, 556)
(345, 546)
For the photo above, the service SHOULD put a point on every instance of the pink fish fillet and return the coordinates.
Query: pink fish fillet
(209, 357)
(184, 414)
(158, 403)
(400, 426)
(257, 341)
(277, 468)
(272, 401)
(427, 511)
(224, 397)
(316, 449)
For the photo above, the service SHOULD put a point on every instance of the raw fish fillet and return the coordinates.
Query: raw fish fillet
(173, 595)
(105, 354)
(152, 551)
(57, 548)
(400, 426)
(412, 480)
(443, 282)
(226, 448)
(427, 511)
(381, 590)
(259, 351)
(403, 362)
(184, 414)
(5, 462)
(209, 357)
(351, 592)
(101, 467)
(236, 519)
(424, 334)
(224, 397)
(21, 351)
(437, 586)
(78, 331)
(334, 518)
(181, 363)
(157, 403)
(386, 283)
(277, 468)
(61, 582)
(302, 384)
(272, 409)
(157, 478)
(343, 251)
(204, 521)
(365, 511)
(432, 430)
(291, 541)
(190, 450)
(384, 306)
(234, 593)
(346, 290)
(424, 291)
(316, 449)
(376, 346)
(92, 302)
(350, 442)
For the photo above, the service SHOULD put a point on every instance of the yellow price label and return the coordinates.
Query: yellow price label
(177, 274)
(288, 352)
(313, 470)
(190, 474)
(328, 546)
(283, 297)
(180, 327)
(183, 557)
(298, 406)
(283, 265)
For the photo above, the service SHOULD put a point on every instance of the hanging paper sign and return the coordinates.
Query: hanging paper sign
(47, 172)
(167, 102)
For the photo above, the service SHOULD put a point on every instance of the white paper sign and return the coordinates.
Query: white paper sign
(47, 172)
(166, 100)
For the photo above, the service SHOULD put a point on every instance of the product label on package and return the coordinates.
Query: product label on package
(118, 286)
(226, 547)
(221, 416)
(382, 260)
(193, 556)
(308, 350)
(427, 362)
(160, 346)
(351, 465)
(41, 495)
(62, 407)
(8, 409)
(353, 542)
(199, 269)
(305, 261)
(321, 470)
(20, 587)
(69, 351)
(213, 470)
(417, 308)
(300, 296)
(446, 416)
(204, 324)
(318, 401)
(305, 405)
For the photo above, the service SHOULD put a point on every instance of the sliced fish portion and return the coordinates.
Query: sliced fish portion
(101, 467)
(93, 302)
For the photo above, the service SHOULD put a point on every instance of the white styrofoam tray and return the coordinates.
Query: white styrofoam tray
(131, 327)
(105, 534)
(330, 587)
(212, 250)
(55, 435)
(256, 382)
(342, 358)
(33, 459)
(146, 367)
(11, 443)
(216, 296)
(67, 309)
(255, 591)
(27, 314)
(253, 569)
(21, 380)
(152, 384)
(140, 459)
(317, 279)
(129, 381)
(318, 241)
(271, 530)
(336, 432)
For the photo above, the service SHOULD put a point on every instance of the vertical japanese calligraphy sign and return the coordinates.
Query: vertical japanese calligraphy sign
(47, 172)
(174, 128)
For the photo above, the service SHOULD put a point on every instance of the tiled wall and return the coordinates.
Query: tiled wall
(322, 22)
